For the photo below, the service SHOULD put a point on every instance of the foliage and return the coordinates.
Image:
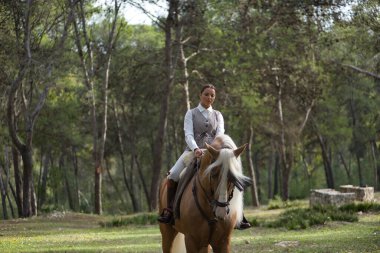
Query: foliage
(364, 207)
(137, 219)
(278, 203)
(301, 218)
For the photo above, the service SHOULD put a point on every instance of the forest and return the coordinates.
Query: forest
(92, 107)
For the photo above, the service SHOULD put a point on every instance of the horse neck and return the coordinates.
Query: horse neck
(203, 177)
(204, 181)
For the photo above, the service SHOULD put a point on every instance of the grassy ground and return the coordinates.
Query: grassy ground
(72, 232)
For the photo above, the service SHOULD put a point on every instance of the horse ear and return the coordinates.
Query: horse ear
(240, 150)
(214, 153)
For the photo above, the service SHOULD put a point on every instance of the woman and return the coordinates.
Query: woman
(202, 124)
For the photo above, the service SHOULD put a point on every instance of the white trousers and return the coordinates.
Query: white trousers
(180, 165)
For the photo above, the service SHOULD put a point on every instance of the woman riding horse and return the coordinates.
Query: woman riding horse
(202, 124)
(211, 204)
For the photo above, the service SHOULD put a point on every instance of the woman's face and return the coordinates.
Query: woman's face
(207, 97)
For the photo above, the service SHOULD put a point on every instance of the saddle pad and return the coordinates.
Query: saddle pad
(184, 180)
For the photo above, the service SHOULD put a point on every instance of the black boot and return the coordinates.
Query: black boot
(244, 224)
(167, 214)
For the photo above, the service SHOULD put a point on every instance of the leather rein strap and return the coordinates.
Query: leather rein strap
(211, 222)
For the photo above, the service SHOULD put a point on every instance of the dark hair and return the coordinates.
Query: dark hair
(207, 86)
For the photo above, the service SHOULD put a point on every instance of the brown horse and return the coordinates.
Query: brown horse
(211, 204)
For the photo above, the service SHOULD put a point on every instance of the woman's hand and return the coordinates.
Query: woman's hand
(198, 152)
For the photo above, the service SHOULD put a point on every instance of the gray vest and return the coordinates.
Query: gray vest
(204, 129)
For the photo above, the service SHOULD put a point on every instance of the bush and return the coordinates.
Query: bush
(301, 218)
(275, 203)
(278, 203)
(364, 207)
(138, 219)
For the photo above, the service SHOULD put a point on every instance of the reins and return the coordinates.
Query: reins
(212, 202)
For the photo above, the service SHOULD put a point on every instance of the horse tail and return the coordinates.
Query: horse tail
(179, 244)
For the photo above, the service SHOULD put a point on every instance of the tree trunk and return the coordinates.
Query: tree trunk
(376, 163)
(45, 170)
(24, 149)
(119, 195)
(361, 180)
(76, 179)
(346, 168)
(255, 196)
(64, 168)
(11, 206)
(27, 159)
(122, 152)
(284, 148)
(160, 135)
(271, 165)
(18, 180)
(3, 195)
(326, 161)
(285, 176)
(142, 178)
(183, 61)
(4, 184)
(98, 187)
(33, 201)
(277, 183)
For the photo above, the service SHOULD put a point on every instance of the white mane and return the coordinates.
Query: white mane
(229, 164)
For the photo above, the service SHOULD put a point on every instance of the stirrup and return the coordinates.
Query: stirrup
(166, 216)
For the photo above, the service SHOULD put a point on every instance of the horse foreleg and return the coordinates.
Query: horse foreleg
(206, 249)
(222, 246)
(221, 249)
(192, 246)
(168, 233)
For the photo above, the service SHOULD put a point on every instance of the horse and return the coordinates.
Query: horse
(211, 204)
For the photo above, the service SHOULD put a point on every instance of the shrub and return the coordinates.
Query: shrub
(301, 218)
(275, 203)
(138, 219)
(364, 207)
(278, 203)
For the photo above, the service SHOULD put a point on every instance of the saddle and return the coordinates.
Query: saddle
(186, 176)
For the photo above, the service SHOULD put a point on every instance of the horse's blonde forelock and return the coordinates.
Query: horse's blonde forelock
(229, 163)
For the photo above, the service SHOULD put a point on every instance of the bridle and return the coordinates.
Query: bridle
(211, 200)
(214, 203)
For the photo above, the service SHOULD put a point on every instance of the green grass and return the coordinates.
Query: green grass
(72, 232)
(363, 236)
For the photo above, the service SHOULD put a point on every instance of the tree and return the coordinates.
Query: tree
(30, 83)
(171, 22)
(87, 60)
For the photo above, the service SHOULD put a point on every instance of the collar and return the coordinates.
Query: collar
(202, 109)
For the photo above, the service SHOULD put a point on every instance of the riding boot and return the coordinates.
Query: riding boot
(244, 224)
(167, 214)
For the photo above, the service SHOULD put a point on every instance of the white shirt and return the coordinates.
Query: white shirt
(189, 128)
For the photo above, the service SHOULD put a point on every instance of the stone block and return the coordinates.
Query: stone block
(361, 193)
(330, 197)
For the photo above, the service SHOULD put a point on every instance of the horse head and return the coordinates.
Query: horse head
(223, 173)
